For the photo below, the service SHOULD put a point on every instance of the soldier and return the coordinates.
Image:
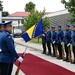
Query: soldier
(8, 54)
(44, 43)
(60, 36)
(67, 39)
(73, 41)
(48, 39)
(54, 36)
(1, 29)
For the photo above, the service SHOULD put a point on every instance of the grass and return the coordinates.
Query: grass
(35, 40)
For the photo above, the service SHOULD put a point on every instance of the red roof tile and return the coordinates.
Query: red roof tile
(23, 14)
(20, 14)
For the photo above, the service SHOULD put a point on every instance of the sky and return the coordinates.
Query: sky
(18, 5)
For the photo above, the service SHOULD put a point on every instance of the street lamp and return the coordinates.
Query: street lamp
(1, 9)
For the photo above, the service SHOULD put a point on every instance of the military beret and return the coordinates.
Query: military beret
(9, 23)
(67, 25)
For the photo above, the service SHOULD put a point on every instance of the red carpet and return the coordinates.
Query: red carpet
(33, 65)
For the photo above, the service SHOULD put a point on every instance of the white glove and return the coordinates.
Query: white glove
(68, 44)
(53, 42)
(0, 50)
(20, 59)
(43, 34)
(62, 43)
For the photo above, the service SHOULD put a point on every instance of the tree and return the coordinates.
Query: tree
(5, 13)
(34, 17)
(29, 6)
(70, 5)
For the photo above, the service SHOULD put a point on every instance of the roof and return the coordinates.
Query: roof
(23, 14)
(20, 14)
(61, 12)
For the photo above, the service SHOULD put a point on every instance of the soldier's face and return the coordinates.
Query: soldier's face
(59, 28)
(2, 28)
(9, 28)
(53, 29)
(73, 28)
(66, 28)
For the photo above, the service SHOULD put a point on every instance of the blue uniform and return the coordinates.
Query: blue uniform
(60, 36)
(44, 43)
(8, 54)
(54, 37)
(73, 38)
(48, 41)
(48, 36)
(0, 37)
(67, 40)
(44, 38)
(67, 37)
(73, 42)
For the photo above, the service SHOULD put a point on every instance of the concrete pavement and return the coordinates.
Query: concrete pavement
(36, 49)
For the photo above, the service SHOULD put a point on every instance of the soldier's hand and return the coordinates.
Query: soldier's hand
(53, 42)
(43, 34)
(20, 59)
(68, 44)
(62, 43)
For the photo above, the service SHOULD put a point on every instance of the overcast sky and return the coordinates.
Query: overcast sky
(18, 5)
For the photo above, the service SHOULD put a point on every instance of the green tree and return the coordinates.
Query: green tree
(34, 17)
(5, 13)
(70, 5)
(29, 6)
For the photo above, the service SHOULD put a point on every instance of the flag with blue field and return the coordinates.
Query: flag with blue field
(34, 31)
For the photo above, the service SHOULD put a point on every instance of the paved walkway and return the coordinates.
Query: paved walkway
(28, 44)
(36, 49)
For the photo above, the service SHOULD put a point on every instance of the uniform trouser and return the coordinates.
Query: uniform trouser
(60, 50)
(74, 52)
(44, 47)
(49, 47)
(6, 68)
(53, 48)
(66, 51)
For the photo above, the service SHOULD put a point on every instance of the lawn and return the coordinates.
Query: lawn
(35, 40)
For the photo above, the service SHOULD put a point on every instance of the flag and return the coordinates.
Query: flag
(33, 32)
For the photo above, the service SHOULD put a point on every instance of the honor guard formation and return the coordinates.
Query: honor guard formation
(61, 41)
(8, 54)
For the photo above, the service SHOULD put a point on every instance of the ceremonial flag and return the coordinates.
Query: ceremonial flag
(33, 32)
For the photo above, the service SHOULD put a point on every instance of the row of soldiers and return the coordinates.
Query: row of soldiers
(62, 41)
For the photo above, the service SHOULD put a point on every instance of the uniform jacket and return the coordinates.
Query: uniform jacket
(44, 38)
(73, 38)
(8, 54)
(54, 37)
(0, 38)
(48, 36)
(67, 37)
(60, 36)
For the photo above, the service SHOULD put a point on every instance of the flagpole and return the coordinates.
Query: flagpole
(18, 68)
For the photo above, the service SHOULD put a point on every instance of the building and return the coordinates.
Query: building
(16, 18)
(59, 17)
